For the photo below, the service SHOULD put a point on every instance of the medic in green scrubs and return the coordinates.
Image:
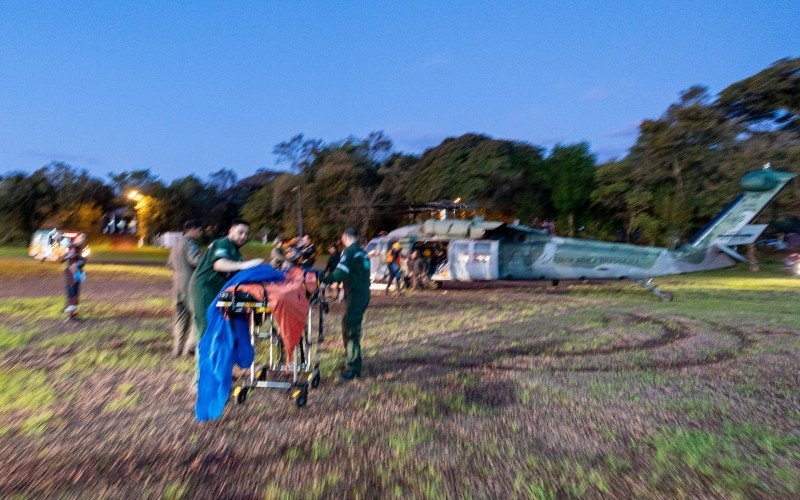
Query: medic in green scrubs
(221, 261)
(353, 271)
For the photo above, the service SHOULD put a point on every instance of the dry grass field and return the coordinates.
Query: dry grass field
(517, 390)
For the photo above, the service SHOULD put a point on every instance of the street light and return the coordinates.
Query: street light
(139, 207)
(296, 189)
(456, 202)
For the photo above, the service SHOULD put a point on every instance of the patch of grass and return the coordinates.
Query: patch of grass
(275, 492)
(404, 442)
(176, 490)
(319, 451)
(130, 272)
(13, 338)
(706, 453)
(49, 307)
(22, 389)
(607, 432)
(37, 424)
(429, 403)
(127, 358)
(184, 364)
(697, 409)
(82, 337)
(617, 464)
(726, 459)
(127, 397)
(788, 477)
(29, 392)
(319, 485)
(535, 490)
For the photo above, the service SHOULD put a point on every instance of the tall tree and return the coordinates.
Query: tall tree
(570, 171)
(26, 201)
(487, 173)
(768, 100)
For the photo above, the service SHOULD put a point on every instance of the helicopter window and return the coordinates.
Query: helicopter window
(482, 252)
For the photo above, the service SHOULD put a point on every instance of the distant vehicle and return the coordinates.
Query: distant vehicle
(773, 244)
(52, 245)
(478, 250)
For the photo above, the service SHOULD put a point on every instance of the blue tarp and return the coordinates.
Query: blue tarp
(225, 342)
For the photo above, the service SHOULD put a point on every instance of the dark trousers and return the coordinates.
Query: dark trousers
(73, 290)
(351, 331)
(394, 274)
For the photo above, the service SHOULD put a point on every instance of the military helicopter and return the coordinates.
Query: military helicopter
(479, 250)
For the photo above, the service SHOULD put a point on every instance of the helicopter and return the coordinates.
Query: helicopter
(480, 250)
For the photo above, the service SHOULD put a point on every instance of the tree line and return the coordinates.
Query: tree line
(684, 166)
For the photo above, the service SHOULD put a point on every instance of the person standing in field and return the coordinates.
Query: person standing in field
(74, 275)
(184, 257)
(334, 255)
(393, 258)
(353, 271)
(220, 262)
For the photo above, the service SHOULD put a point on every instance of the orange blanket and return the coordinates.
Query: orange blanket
(288, 302)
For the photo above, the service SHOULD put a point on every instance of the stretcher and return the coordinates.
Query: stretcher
(294, 371)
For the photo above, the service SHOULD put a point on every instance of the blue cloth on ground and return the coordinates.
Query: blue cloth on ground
(224, 343)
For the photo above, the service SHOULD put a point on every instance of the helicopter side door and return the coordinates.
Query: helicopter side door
(474, 260)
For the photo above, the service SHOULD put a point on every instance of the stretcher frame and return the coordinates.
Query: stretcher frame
(304, 368)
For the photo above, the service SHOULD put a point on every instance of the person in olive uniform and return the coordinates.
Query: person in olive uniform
(220, 262)
(184, 257)
(353, 271)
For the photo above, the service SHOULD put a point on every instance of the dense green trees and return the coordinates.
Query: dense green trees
(684, 166)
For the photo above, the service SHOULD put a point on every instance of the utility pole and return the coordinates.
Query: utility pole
(296, 189)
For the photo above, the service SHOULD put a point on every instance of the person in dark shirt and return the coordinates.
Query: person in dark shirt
(220, 262)
(416, 267)
(307, 253)
(334, 255)
(353, 271)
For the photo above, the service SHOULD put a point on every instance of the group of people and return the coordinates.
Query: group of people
(414, 269)
(198, 279)
(299, 252)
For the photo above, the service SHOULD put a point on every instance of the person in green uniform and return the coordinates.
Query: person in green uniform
(220, 262)
(353, 271)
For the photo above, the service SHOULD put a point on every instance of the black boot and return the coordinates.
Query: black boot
(348, 375)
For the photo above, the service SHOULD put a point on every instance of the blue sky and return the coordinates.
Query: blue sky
(192, 87)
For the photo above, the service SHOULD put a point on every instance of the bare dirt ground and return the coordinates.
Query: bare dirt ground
(478, 390)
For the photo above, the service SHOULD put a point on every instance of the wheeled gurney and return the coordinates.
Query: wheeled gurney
(281, 369)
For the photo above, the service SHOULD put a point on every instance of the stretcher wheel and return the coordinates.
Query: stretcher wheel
(300, 396)
(240, 393)
(262, 375)
(314, 380)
